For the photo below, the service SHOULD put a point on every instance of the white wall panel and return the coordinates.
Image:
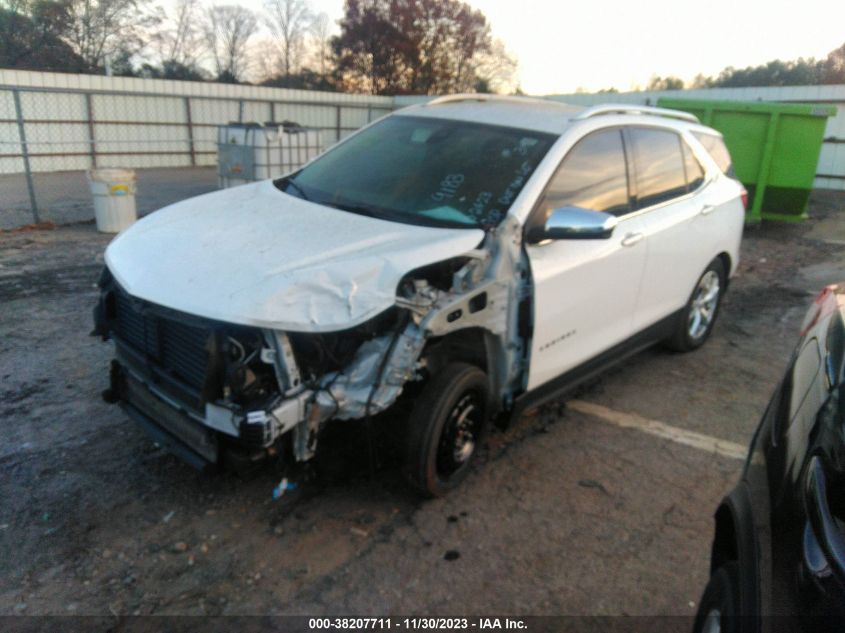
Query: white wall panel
(53, 106)
(59, 163)
(257, 112)
(354, 118)
(9, 166)
(214, 111)
(9, 138)
(138, 108)
(57, 138)
(23, 78)
(45, 97)
(321, 116)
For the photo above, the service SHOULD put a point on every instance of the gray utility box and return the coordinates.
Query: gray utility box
(247, 152)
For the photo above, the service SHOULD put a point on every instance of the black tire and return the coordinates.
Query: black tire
(720, 600)
(451, 412)
(683, 340)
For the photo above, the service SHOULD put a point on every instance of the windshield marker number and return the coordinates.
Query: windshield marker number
(448, 187)
(510, 193)
(480, 204)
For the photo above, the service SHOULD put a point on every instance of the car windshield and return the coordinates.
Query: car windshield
(428, 171)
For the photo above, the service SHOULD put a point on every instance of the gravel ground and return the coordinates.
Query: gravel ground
(564, 514)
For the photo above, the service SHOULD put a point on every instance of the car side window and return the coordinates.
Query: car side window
(693, 169)
(659, 164)
(715, 146)
(593, 175)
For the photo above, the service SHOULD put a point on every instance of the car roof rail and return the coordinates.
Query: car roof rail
(492, 97)
(636, 109)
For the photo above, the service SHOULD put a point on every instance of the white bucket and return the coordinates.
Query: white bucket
(114, 198)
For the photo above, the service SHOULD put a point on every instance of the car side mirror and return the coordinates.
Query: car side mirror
(575, 223)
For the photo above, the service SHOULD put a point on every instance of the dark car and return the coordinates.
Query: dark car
(778, 557)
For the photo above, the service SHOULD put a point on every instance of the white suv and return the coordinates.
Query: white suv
(472, 255)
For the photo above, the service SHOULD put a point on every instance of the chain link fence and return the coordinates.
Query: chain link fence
(50, 137)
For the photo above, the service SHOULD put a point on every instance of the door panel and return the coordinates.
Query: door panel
(817, 427)
(682, 221)
(585, 292)
(683, 238)
(805, 460)
(678, 252)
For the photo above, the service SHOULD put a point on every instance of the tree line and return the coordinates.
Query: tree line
(384, 46)
(799, 72)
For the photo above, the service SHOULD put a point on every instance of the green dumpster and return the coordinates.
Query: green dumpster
(775, 149)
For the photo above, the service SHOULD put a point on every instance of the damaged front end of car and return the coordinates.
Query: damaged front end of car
(216, 393)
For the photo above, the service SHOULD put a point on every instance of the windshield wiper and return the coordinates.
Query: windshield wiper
(353, 208)
(389, 215)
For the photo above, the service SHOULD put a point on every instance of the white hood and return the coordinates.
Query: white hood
(256, 256)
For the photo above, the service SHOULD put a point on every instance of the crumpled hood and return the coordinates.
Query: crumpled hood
(256, 256)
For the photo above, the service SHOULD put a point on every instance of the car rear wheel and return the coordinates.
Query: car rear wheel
(700, 313)
(719, 608)
(445, 429)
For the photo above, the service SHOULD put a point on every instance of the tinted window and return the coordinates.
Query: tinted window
(695, 174)
(422, 170)
(659, 164)
(715, 146)
(593, 175)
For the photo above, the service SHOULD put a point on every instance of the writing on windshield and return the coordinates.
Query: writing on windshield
(427, 171)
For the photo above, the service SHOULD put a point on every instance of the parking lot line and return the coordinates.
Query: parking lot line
(661, 429)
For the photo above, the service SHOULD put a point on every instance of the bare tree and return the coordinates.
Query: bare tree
(321, 42)
(265, 57)
(101, 28)
(496, 70)
(290, 22)
(227, 30)
(180, 40)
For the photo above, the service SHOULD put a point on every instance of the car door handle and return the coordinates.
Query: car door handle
(632, 238)
(707, 209)
(822, 523)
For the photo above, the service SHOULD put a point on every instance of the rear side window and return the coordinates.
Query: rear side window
(593, 175)
(715, 146)
(659, 163)
(695, 174)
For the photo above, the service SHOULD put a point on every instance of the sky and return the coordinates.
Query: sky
(563, 46)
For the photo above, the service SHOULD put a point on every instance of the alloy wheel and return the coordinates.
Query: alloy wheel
(704, 304)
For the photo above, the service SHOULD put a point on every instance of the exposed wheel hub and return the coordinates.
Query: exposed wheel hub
(460, 433)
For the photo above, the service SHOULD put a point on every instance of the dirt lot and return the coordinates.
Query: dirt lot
(566, 514)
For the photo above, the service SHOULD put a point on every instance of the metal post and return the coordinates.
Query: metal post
(89, 109)
(337, 122)
(25, 152)
(190, 131)
(756, 212)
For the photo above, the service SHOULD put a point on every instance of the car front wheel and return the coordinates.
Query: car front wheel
(447, 424)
